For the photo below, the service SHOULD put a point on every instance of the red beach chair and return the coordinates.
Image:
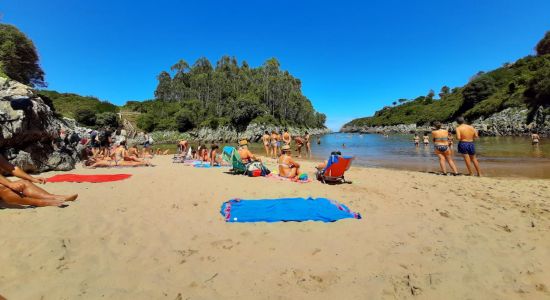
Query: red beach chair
(335, 169)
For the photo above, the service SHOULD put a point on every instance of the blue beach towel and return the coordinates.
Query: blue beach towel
(285, 209)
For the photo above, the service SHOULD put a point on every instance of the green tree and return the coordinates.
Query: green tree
(86, 117)
(478, 90)
(18, 57)
(445, 90)
(543, 46)
(538, 91)
(107, 119)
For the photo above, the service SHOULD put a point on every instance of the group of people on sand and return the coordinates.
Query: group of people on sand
(287, 166)
(202, 153)
(443, 141)
(105, 149)
(275, 141)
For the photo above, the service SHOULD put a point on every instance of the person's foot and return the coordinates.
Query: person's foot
(70, 197)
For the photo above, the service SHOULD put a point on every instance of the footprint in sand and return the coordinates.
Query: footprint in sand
(226, 244)
(185, 254)
(308, 282)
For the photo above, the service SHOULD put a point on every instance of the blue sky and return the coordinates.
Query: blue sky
(352, 57)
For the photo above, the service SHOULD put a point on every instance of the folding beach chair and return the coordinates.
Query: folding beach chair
(334, 171)
(231, 156)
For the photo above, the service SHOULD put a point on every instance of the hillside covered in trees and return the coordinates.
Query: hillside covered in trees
(524, 84)
(230, 94)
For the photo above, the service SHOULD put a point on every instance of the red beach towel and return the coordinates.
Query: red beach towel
(88, 178)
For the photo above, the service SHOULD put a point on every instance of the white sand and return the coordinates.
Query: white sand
(159, 235)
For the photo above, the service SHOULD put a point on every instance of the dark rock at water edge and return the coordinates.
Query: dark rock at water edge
(508, 122)
(29, 135)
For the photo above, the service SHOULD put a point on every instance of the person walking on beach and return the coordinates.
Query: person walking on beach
(299, 144)
(466, 135)
(266, 140)
(442, 149)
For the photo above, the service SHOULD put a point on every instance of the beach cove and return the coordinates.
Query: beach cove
(160, 235)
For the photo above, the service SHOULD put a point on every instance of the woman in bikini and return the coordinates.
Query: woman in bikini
(535, 138)
(426, 139)
(307, 138)
(416, 140)
(442, 149)
(266, 140)
(24, 191)
(287, 166)
(273, 142)
(214, 159)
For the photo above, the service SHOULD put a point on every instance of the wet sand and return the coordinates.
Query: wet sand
(159, 235)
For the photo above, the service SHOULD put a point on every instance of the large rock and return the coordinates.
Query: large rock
(253, 132)
(27, 136)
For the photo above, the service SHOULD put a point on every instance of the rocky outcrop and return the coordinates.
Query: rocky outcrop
(253, 133)
(29, 131)
(508, 122)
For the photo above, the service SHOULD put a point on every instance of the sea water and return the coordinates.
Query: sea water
(498, 156)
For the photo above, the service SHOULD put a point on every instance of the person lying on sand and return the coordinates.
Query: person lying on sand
(246, 155)
(287, 166)
(25, 192)
(442, 149)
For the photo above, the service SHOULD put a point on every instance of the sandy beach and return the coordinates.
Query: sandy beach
(160, 235)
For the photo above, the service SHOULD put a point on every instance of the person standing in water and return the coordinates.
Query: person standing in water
(442, 149)
(266, 140)
(307, 138)
(535, 138)
(426, 139)
(466, 135)
(416, 140)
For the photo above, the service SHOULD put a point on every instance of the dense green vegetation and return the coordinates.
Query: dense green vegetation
(525, 83)
(88, 111)
(18, 57)
(201, 95)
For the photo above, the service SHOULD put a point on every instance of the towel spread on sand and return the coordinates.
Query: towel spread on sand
(285, 209)
(275, 176)
(88, 178)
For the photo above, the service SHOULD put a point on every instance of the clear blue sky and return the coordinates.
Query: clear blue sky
(353, 57)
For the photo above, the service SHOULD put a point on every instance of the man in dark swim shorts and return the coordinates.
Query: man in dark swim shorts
(466, 135)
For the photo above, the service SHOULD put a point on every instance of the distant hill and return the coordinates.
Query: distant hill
(523, 84)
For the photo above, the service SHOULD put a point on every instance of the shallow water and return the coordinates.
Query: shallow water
(498, 156)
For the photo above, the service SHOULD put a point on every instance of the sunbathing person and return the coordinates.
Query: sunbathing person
(133, 152)
(287, 166)
(25, 192)
(324, 164)
(214, 158)
(246, 155)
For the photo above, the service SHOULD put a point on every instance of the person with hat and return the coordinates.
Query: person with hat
(287, 166)
(246, 155)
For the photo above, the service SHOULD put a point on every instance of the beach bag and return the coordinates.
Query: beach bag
(257, 167)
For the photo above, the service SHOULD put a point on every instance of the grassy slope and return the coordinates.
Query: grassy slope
(67, 104)
(420, 111)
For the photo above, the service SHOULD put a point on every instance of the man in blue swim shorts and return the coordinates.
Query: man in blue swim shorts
(466, 135)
